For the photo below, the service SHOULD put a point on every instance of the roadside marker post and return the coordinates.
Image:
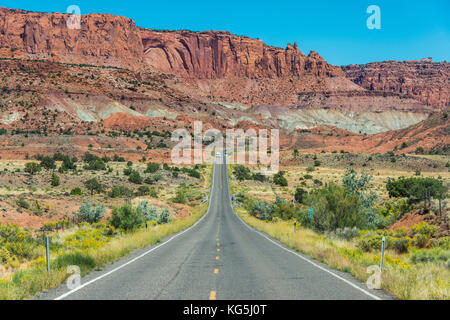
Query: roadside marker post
(382, 253)
(146, 226)
(310, 217)
(295, 224)
(47, 249)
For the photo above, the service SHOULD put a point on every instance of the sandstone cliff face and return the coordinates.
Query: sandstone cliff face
(424, 80)
(209, 55)
(102, 40)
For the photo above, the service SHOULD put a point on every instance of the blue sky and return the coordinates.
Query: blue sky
(336, 29)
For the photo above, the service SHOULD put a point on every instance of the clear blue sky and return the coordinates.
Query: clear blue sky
(336, 29)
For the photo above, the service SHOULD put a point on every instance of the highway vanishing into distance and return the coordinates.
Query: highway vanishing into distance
(220, 257)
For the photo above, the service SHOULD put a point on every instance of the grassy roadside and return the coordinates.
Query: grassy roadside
(26, 283)
(399, 278)
(90, 250)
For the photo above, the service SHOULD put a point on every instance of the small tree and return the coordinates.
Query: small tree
(93, 186)
(300, 194)
(32, 168)
(279, 179)
(55, 180)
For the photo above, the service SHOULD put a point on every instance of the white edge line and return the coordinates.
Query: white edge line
(306, 259)
(145, 253)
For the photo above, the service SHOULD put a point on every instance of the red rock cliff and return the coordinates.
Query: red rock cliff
(102, 39)
(220, 54)
(115, 41)
(425, 80)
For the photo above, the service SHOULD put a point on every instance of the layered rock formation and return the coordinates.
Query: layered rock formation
(102, 39)
(424, 80)
(210, 55)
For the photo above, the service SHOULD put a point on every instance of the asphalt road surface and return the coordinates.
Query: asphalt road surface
(220, 257)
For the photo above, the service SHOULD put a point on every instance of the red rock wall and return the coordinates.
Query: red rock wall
(209, 55)
(102, 40)
(424, 80)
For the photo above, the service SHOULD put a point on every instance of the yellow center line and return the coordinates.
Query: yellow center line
(218, 249)
(216, 271)
(212, 295)
(217, 257)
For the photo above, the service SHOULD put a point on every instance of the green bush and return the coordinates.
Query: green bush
(32, 167)
(427, 255)
(135, 177)
(55, 180)
(143, 191)
(126, 217)
(120, 191)
(300, 194)
(21, 202)
(152, 167)
(242, 173)
(76, 191)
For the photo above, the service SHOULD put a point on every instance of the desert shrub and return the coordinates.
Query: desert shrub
(16, 242)
(300, 194)
(181, 194)
(422, 234)
(89, 213)
(258, 176)
(345, 233)
(135, 177)
(400, 245)
(443, 242)
(95, 165)
(283, 209)
(262, 209)
(83, 260)
(120, 191)
(21, 202)
(194, 173)
(242, 173)
(55, 180)
(317, 163)
(400, 232)
(126, 217)
(429, 255)
(152, 167)
(32, 167)
(143, 191)
(335, 207)
(149, 212)
(307, 176)
(48, 163)
(279, 179)
(164, 216)
(391, 210)
(310, 169)
(76, 191)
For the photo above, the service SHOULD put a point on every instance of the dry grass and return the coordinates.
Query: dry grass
(404, 280)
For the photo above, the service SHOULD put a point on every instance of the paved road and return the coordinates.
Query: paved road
(218, 258)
